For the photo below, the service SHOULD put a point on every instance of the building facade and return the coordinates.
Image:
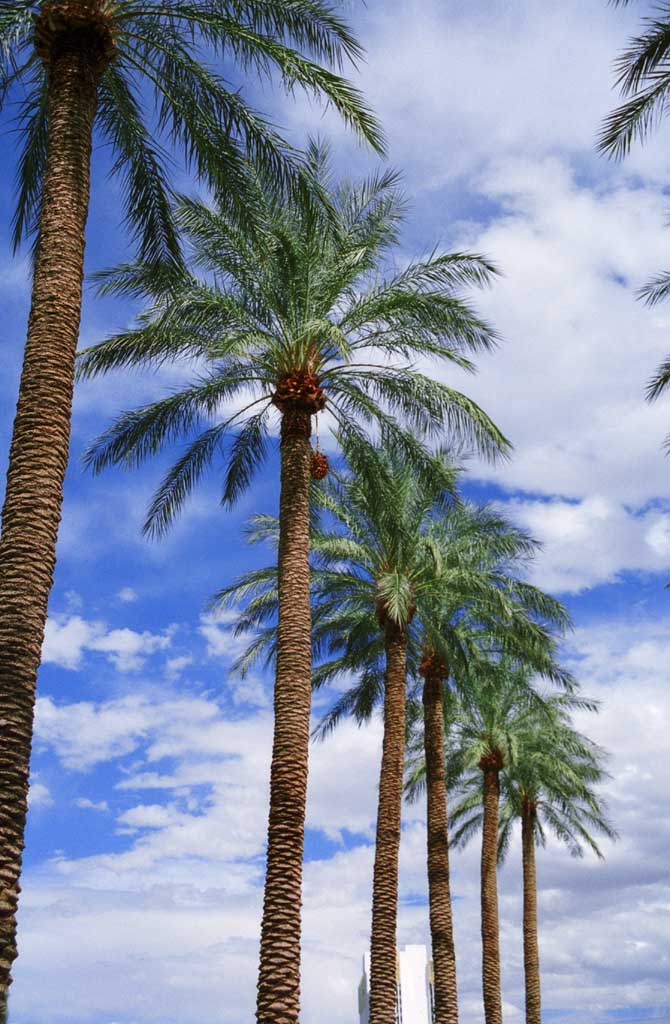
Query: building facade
(415, 999)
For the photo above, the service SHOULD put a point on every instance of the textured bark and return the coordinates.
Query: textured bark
(39, 453)
(383, 953)
(489, 893)
(439, 893)
(279, 972)
(531, 955)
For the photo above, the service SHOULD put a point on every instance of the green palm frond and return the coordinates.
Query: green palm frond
(656, 290)
(247, 454)
(259, 303)
(32, 125)
(659, 382)
(141, 433)
(643, 75)
(391, 537)
(170, 52)
(142, 166)
(552, 777)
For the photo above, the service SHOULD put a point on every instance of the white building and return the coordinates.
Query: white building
(415, 987)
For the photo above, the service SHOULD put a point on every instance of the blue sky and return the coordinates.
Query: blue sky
(144, 855)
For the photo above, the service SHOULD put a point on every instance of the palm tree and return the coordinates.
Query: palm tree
(496, 708)
(481, 607)
(549, 786)
(396, 548)
(292, 320)
(78, 69)
(643, 76)
(369, 575)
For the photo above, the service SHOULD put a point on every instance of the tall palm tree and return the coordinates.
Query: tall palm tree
(296, 319)
(393, 549)
(549, 786)
(643, 76)
(482, 608)
(496, 709)
(83, 71)
(370, 571)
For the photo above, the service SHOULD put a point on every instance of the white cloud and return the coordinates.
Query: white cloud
(85, 734)
(594, 541)
(85, 804)
(249, 691)
(127, 595)
(127, 649)
(148, 816)
(218, 630)
(184, 897)
(73, 600)
(39, 794)
(453, 90)
(175, 666)
(66, 639)
(567, 383)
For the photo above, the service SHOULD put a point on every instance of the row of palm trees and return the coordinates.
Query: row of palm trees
(301, 318)
(418, 596)
(282, 293)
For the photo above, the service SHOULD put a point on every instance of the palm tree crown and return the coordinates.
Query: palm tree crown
(458, 578)
(171, 48)
(370, 550)
(549, 770)
(300, 313)
(391, 539)
(547, 773)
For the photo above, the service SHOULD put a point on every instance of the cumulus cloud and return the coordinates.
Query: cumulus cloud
(594, 541)
(175, 666)
(67, 638)
(39, 794)
(84, 734)
(567, 384)
(192, 864)
(217, 629)
(477, 93)
(85, 804)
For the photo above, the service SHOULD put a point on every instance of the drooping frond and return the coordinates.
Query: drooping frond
(552, 778)
(164, 90)
(659, 382)
(255, 305)
(31, 122)
(643, 74)
(142, 166)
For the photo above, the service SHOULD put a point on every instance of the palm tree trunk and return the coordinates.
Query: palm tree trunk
(279, 972)
(39, 453)
(489, 894)
(383, 952)
(531, 956)
(439, 894)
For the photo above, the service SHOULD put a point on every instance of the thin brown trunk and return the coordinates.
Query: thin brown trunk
(439, 893)
(279, 972)
(383, 955)
(531, 955)
(39, 453)
(489, 894)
